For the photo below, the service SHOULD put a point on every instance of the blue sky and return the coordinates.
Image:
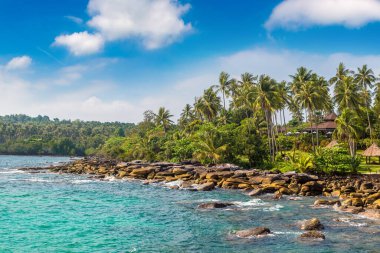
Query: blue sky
(110, 60)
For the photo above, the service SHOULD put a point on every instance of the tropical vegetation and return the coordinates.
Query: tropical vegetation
(254, 121)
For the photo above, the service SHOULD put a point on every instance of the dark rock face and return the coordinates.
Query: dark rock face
(259, 231)
(313, 235)
(214, 205)
(312, 224)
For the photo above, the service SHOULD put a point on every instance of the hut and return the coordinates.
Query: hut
(372, 151)
(332, 144)
(328, 125)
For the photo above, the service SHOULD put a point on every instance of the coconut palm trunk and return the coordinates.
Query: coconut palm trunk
(369, 121)
(311, 127)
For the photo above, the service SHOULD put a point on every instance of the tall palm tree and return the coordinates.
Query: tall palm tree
(209, 105)
(302, 76)
(347, 94)
(265, 96)
(162, 118)
(284, 99)
(324, 104)
(187, 115)
(365, 78)
(242, 93)
(307, 96)
(348, 128)
(224, 86)
(341, 73)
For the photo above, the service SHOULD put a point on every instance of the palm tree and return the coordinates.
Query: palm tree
(348, 128)
(187, 115)
(223, 86)
(324, 103)
(307, 96)
(284, 99)
(341, 72)
(207, 149)
(302, 76)
(208, 105)
(242, 93)
(265, 96)
(162, 118)
(365, 78)
(347, 94)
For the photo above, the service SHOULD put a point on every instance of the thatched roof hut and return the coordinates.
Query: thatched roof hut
(332, 144)
(372, 151)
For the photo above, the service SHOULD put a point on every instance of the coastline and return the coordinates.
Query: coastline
(357, 194)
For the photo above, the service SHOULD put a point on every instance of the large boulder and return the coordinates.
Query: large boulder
(219, 174)
(214, 205)
(312, 224)
(142, 171)
(372, 198)
(259, 231)
(313, 235)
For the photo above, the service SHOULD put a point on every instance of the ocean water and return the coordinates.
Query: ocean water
(45, 212)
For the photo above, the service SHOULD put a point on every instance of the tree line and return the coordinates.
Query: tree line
(243, 120)
(25, 135)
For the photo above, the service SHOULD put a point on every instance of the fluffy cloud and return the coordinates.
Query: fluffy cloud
(156, 22)
(21, 62)
(293, 14)
(82, 43)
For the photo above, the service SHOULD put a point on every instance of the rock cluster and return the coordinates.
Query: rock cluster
(349, 193)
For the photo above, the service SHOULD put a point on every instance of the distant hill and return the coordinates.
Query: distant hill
(24, 135)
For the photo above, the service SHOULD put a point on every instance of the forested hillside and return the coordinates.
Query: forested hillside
(24, 135)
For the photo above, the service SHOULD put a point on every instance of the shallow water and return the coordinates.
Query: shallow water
(66, 213)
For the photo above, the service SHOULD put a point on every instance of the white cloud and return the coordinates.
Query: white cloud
(293, 14)
(21, 62)
(155, 22)
(82, 43)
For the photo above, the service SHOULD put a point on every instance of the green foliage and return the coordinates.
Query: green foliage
(24, 135)
(301, 161)
(336, 160)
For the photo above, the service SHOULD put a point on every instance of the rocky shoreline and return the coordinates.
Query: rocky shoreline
(358, 194)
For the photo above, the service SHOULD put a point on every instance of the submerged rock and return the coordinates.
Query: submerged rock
(255, 192)
(371, 213)
(206, 186)
(312, 224)
(313, 235)
(326, 202)
(214, 205)
(253, 232)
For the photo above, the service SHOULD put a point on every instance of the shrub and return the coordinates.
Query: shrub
(335, 160)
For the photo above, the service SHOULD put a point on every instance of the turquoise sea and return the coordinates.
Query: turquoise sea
(44, 212)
